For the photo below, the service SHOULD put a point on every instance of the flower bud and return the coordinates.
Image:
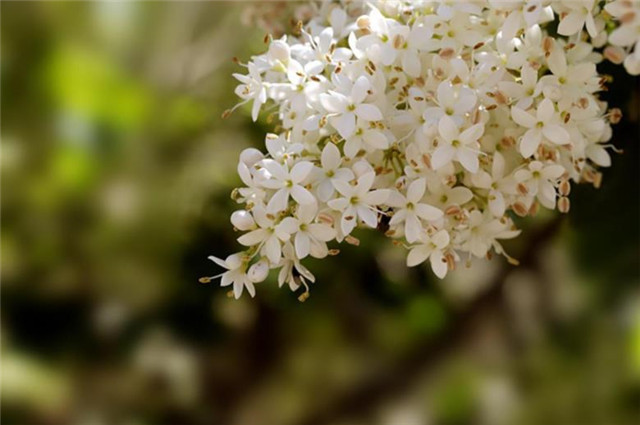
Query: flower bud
(259, 271)
(250, 156)
(279, 51)
(632, 63)
(242, 220)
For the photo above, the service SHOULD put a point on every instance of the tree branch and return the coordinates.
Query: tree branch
(424, 356)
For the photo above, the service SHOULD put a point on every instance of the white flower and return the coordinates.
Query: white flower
(580, 14)
(482, 232)
(344, 109)
(252, 88)
(539, 179)
(545, 124)
(463, 147)
(310, 238)
(410, 210)
(432, 248)
(292, 271)
(365, 136)
(268, 236)
(358, 202)
(287, 182)
(236, 274)
(452, 101)
(331, 172)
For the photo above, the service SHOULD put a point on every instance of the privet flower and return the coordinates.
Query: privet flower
(434, 122)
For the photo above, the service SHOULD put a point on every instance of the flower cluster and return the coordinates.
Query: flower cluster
(433, 122)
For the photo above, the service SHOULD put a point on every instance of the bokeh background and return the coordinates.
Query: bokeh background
(116, 173)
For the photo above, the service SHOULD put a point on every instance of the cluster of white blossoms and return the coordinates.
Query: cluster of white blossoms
(433, 122)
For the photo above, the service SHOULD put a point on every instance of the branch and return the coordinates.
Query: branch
(426, 355)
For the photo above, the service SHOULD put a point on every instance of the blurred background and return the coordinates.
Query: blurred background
(116, 173)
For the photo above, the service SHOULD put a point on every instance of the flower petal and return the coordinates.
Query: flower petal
(418, 255)
(302, 195)
(300, 171)
(530, 142)
(416, 189)
(556, 134)
(368, 112)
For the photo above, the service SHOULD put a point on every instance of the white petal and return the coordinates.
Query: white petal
(273, 249)
(552, 172)
(338, 204)
(334, 103)
(557, 62)
(218, 261)
(418, 255)
(250, 288)
(364, 183)
(398, 217)
(522, 118)
(598, 155)
(447, 128)
(459, 195)
(572, 23)
(472, 134)
(330, 158)
(468, 159)
(359, 90)
(411, 64)
(375, 139)
(368, 216)
(556, 134)
(325, 190)
(348, 221)
(322, 232)
(496, 203)
(545, 111)
(253, 238)
(412, 228)
(428, 212)
(547, 194)
(442, 156)
(289, 225)
(275, 169)
(376, 197)
(278, 201)
(438, 264)
(441, 239)
(368, 112)
(416, 189)
(245, 174)
(530, 142)
(302, 195)
(303, 246)
(238, 286)
(345, 124)
(300, 171)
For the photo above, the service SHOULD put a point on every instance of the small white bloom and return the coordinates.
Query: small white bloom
(358, 202)
(432, 248)
(410, 210)
(236, 274)
(287, 183)
(463, 147)
(544, 125)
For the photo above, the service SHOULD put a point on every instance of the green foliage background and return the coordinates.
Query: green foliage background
(116, 174)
